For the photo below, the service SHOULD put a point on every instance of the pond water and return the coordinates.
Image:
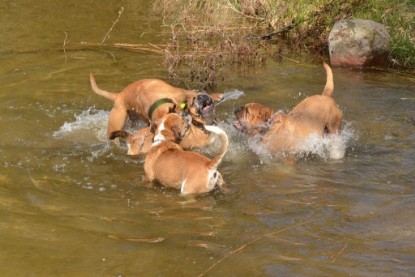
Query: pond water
(73, 204)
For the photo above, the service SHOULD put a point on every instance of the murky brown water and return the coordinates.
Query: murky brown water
(73, 205)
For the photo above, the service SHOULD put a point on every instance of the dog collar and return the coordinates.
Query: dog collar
(157, 104)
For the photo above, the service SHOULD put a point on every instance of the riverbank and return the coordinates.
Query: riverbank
(207, 35)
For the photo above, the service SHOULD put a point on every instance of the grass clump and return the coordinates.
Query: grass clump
(399, 18)
(204, 37)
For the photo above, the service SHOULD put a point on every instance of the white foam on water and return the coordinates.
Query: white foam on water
(329, 147)
(236, 141)
(89, 129)
(232, 95)
(90, 122)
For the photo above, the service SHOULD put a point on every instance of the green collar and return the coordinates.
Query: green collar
(157, 104)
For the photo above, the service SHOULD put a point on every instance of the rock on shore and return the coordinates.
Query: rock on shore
(358, 43)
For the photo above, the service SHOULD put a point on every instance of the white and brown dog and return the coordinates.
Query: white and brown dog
(281, 133)
(140, 142)
(151, 99)
(171, 166)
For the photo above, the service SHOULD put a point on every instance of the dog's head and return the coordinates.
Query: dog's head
(252, 118)
(171, 127)
(201, 107)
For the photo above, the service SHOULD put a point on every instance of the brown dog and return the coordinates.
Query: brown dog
(171, 166)
(140, 142)
(151, 99)
(285, 133)
(253, 118)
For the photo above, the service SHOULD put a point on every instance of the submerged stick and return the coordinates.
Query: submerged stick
(339, 253)
(251, 242)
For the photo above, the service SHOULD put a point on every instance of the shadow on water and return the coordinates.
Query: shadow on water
(74, 204)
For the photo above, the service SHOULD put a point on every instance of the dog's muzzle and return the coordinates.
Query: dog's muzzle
(237, 122)
(204, 104)
(239, 125)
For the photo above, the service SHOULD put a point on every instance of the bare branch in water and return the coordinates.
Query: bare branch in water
(113, 24)
(128, 46)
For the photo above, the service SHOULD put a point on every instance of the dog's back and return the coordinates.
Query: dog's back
(319, 112)
(173, 167)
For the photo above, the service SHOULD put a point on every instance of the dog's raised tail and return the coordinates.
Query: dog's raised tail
(328, 89)
(214, 163)
(109, 95)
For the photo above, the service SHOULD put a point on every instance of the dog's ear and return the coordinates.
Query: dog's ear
(277, 118)
(177, 133)
(190, 101)
(246, 109)
(173, 109)
(153, 127)
(217, 97)
(190, 107)
(268, 115)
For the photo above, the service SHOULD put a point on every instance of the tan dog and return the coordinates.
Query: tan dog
(140, 142)
(253, 118)
(151, 99)
(171, 166)
(285, 133)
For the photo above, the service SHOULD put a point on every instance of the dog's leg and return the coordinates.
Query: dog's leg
(335, 124)
(117, 118)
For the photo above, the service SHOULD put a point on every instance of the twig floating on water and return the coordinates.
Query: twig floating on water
(251, 242)
(113, 24)
(149, 240)
(64, 46)
(127, 46)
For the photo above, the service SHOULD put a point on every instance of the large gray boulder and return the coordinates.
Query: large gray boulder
(358, 43)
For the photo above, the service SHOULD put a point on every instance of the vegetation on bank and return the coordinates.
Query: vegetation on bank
(207, 35)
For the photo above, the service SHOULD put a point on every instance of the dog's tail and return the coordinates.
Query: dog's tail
(223, 149)
(109, 95)
(328, 89)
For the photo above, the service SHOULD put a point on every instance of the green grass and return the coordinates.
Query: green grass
(399, 18)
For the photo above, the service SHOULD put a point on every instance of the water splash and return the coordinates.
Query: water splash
(330, 147)
(232, 95)
(89, 122)
(327, 147)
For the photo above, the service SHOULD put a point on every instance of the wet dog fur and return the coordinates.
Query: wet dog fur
(140, 142)
(137, 99)
(171, 166)
(284, 133)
